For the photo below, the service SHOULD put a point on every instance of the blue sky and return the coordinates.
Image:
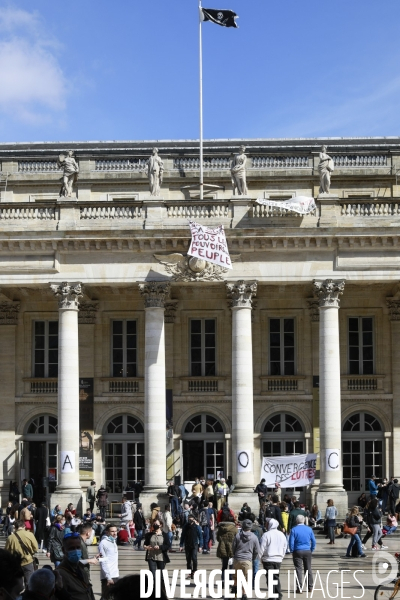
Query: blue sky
(129, 70)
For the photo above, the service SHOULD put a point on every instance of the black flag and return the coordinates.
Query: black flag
(226, 18)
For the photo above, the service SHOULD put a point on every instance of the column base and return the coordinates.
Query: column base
(337, 494)
(152, 494)
(65, 497)
(238, 497)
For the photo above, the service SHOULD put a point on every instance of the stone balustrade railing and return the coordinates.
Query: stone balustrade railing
(46, 213)
(279, 162)
(198, 211)
(362, 384)
(360, 161)
(370, 209)
(38, 166)
(282, 384)
(43, 386)
(202, 386)
(111, 212)
(187, 164)
(123, 386)
(129, 164)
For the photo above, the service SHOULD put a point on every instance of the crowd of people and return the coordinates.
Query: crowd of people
(197, 519)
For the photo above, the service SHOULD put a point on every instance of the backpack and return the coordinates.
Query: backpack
(203, 521)
(226, 510)
(269, 512)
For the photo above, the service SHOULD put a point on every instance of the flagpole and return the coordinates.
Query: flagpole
(201, 103)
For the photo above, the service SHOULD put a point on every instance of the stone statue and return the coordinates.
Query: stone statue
(326, 167)
(70, 175)
(238, 171)
(155, 170)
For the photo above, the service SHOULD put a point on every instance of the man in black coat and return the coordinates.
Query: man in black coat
(41, 534)
(261, 490)
(140, 525)
(393, 493)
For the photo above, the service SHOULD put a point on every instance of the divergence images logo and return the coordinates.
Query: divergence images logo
(384, 568)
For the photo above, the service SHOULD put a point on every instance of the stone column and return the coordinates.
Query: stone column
(331, 479)
(155, 294)
(393, 305)
(240, 295)
(68, 486)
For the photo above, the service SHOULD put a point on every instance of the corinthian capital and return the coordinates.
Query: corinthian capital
(154, 293)
(328, 292)
(241, 293)
(393, 305)
(68, 294)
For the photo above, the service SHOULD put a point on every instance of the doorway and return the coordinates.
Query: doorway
(203, 448)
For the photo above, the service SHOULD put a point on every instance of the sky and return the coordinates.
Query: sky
(128, 70)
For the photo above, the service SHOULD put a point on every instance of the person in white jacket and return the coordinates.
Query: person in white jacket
(108, 550)
(273, 546)
(167, 518)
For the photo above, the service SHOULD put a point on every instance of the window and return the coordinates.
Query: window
(283, 422)
(124, 348)
(45, 352)
(204, 424)
(45, 424)
(361, 347)
(281, 347)
(124, 452)
(202, 347)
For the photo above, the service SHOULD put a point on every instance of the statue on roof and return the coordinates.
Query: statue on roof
(326, 166)
(70, 173)
(155, 170)
(238, 172)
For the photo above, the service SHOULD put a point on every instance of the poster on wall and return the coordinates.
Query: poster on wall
(86, 403)
(332, 457)
(243, 461)
(67, 461)
(289, 471)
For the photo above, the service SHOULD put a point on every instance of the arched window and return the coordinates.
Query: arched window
(363, 452)
(43, 425)
(203, 448)
(124, 452)
(282, 423)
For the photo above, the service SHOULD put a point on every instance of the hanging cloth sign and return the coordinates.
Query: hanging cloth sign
(289, 471)
(209, 245)
(299, 204)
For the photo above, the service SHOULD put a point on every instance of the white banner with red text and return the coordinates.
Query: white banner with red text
(209, 244)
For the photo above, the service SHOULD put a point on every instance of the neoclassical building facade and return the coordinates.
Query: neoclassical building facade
(123, 360)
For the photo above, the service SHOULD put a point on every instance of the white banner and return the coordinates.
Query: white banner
(300, 204)
(67, 458)
(289, 471)
(243, 461)
(210, 245)
(332, 459)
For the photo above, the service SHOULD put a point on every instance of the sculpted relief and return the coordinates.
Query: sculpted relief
(190, 268)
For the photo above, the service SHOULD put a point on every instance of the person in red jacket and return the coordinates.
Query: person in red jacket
(123, 536)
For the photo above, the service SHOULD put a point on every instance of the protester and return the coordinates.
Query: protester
(393, 495)
(261, 491)
(272, 511)
(123, 536)
(140, 526)
(75, 579)
(330, 520)
(54, 512)
(12, 575)
(25, 515)
(391, 525)
(41, 586)
(86, 532)
(156, 544)
(167, 527)
(41, 516)
(222, 492)
(88, 516)
(55, 542)
(302, 544)
(102, 501)
(354, 520)
(244, 512)
(174, 492)
(25, 543)
(225, 510)
(245, 548)
(197, 491)
(374, 522)
(273, 547)
(372, 486)
(209, 491)
(226, 533)
(192, 539)
(91, 495)
(294, 513)
(108, 549)
(27, 490)
(362, 500)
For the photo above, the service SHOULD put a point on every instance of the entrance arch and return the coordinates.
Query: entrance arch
(363, 452)
(38, 455)
(203, 448)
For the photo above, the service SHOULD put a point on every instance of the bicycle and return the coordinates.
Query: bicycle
(391, 589)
